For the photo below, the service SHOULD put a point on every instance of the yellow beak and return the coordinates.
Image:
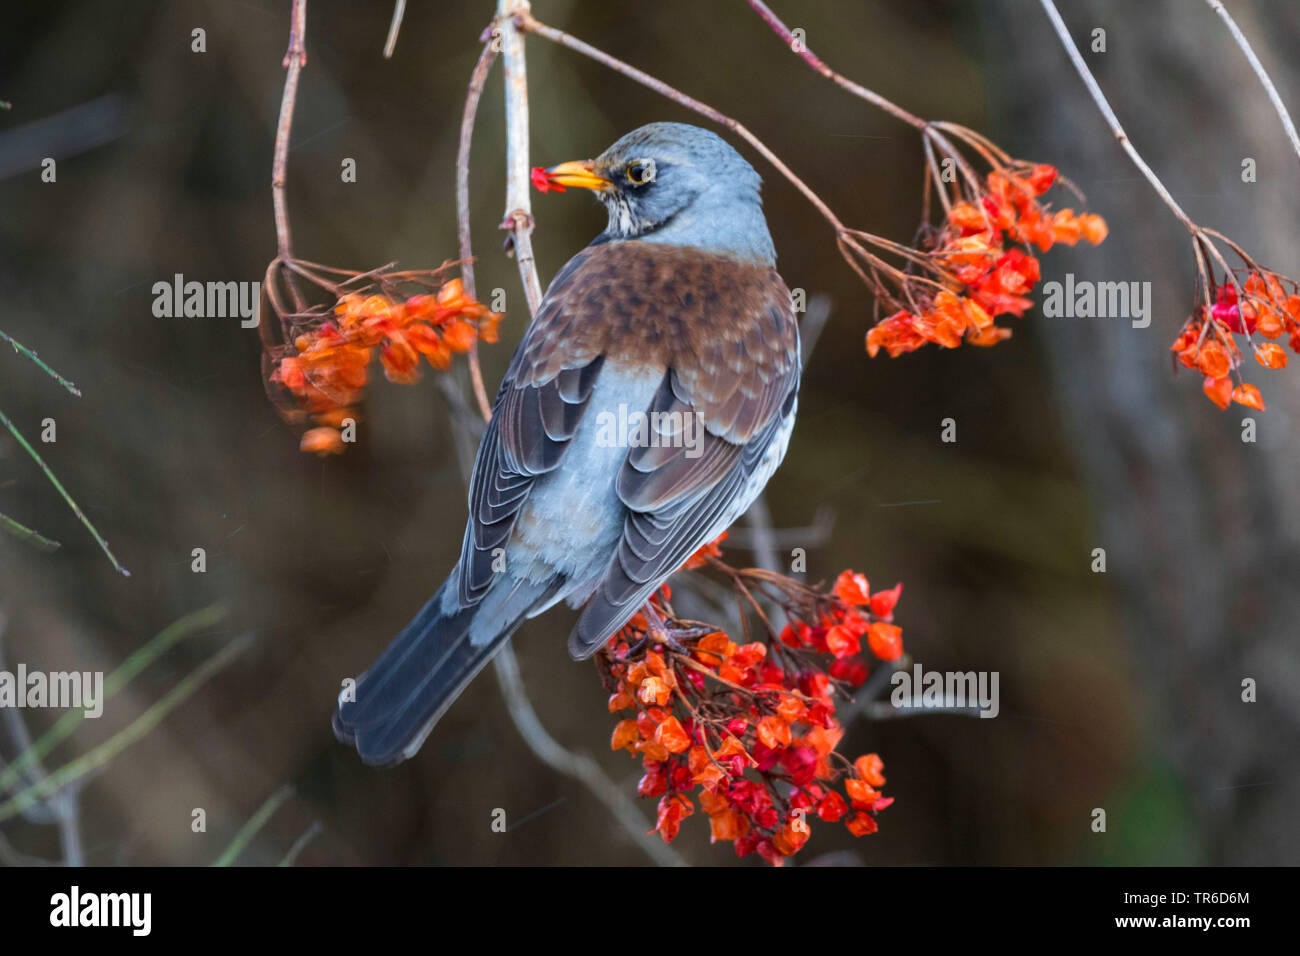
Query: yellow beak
(577, 173)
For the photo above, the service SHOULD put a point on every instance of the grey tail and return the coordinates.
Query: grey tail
(393, 706)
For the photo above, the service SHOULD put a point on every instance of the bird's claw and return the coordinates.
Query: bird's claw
(673, 637)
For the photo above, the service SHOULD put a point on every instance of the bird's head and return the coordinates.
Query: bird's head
(676, 184)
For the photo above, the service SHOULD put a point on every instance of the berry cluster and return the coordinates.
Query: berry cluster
(1264, 303)
(978, 270)
(328, 367)
(748, 731)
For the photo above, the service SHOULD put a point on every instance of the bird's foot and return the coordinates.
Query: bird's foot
(660, 631)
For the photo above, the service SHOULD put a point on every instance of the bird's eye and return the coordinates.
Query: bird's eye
(641, 171)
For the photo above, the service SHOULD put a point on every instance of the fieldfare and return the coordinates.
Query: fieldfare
(674, 318)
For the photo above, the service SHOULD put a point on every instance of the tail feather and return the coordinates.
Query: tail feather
(422, 672)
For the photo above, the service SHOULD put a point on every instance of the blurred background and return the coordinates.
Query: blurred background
(1119, 690)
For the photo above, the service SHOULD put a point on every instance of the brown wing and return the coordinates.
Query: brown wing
(740, 381)
(535, 414)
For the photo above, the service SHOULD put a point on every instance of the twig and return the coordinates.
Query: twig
(931, 133)
(466, 250)
(1111, 119)
(64, 806)
(76, 509)
(399, 11)
(26, 534)
(294, 60)
(19, 347)
(760, 526)
(810, 329)
(1260, 72)
(807, 55)
(141, 658)
(783, 539)
(300, 844)
(525, 21)
(136, 731)
(520, 222)
(519, 207)
(578, 766)
(255, 823)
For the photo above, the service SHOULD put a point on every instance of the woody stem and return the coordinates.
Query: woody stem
(1260, 72)
(472, 97)
(294, 60)
(801, 50)
(528, 23)
(1108, 114)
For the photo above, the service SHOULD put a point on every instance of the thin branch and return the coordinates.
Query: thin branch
(294, 60)
(255, 823)
(1111, 119)
(814, 61)
(142, 657)
(526, 21)
(76, 509)
(759, 518)
(19, 347)
(64, 806)
(519, 221)
(136, 731)
(931, 133)
(579, 766)
(399, 11)
(810, 329)
(475, 92)
(519, 207)
(300, 844)
(1260, 72)
(27, 535)
(783, 539)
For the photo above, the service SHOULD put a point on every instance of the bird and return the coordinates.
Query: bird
(673, 317)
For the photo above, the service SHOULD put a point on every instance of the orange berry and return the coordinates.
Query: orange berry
(1066, 227)
(1249, 396)
(459, 335)
(852, 588)
(774, 732)
(1094, 227)
(869, 767)
(790, 838)
(1218, 390)
(625, 735)
(452, 294)
(1270, 355)
(885, 640)
(989, 336)
(1270, 324)
(861, 793)
(1213, 360)
(400, 361)
(672, 736)
(322, 441)
(861, 824)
